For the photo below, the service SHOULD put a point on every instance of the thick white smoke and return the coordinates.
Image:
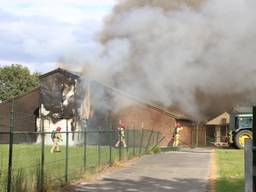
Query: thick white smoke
(196, 55)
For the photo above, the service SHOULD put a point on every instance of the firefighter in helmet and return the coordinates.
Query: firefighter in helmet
(121, 135)
(56, 138)
(176, 134)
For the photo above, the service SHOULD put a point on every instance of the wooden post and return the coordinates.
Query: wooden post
(66, 153)
(11, 128)
(218, 134)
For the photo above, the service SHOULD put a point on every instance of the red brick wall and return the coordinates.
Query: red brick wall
(134, 113)
(152, 119)
(156, 120)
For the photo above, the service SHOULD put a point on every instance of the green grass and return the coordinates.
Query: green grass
(26, 163)
(27, 158)
(230, 170)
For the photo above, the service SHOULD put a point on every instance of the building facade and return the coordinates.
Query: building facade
(69, 101)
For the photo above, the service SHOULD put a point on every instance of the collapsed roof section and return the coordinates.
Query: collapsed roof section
(76, 76)
(58, 89)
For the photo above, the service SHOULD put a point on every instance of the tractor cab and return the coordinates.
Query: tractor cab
(241, 128)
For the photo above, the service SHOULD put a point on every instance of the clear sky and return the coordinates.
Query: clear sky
(36, 33)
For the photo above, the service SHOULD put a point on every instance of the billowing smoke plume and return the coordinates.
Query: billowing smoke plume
(197, 55)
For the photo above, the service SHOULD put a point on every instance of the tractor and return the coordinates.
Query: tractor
(240, 128)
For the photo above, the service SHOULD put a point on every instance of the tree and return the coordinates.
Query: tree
(15, 80)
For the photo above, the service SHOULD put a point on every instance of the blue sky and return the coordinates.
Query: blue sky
(36, 33)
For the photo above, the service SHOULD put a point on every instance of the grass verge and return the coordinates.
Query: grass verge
(230, 170)
(26, 164)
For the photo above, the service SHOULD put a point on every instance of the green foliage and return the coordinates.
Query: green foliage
(15, 80)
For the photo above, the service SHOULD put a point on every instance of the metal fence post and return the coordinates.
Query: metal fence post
(141, 141)
(66, 153)
(119, 147)
(127, 143)
(42, 153)
(110, 146)
(157, 137)
(149, 140)
(11, 126)
(133, 141)
(99, 148)
(154, 138)
(85, 145)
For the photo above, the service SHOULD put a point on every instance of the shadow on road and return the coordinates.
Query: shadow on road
(145, 184)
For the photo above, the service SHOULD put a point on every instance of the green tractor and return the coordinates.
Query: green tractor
(240, 128)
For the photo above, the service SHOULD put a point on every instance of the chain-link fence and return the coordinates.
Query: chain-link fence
(30, 162)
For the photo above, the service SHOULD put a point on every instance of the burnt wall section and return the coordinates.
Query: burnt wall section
(25, 113)
(58, 94)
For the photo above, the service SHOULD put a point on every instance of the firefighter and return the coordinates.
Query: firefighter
(56, 138)
(121, 135)
(176, 134)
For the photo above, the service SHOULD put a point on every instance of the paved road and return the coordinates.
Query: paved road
(185, 171)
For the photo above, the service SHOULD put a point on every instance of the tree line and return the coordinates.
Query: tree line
(16, 79)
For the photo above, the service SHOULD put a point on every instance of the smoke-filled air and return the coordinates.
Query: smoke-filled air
(197, 56)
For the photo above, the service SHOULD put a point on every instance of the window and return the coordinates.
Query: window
(245, 122)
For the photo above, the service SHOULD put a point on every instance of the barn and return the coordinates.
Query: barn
(65, 99)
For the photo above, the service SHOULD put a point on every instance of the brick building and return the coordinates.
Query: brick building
(58, 102)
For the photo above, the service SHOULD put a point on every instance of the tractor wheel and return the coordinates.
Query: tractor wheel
(240, 138)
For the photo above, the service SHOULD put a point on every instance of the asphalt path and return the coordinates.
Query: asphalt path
(183, 171)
